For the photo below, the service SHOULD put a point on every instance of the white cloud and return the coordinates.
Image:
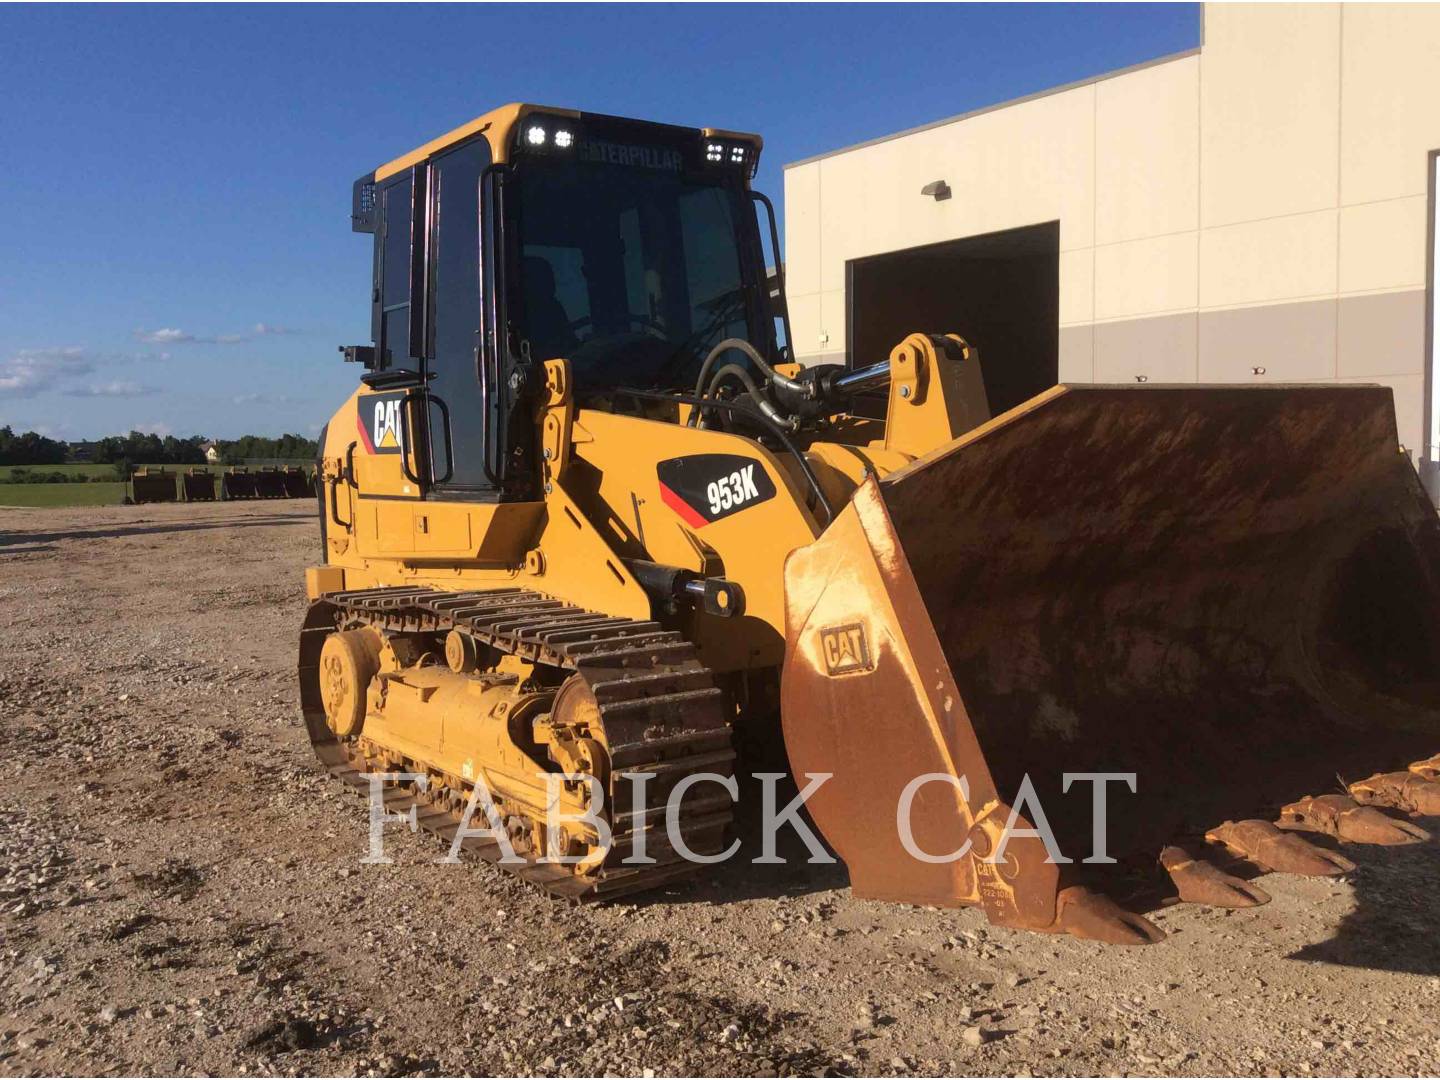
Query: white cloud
(166, 335)
(172, 335)
(27, 372)
(117, 389)
(153, 427)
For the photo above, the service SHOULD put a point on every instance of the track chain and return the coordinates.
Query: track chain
(661, 711)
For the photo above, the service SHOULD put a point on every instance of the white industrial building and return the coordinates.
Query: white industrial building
(1258, 209)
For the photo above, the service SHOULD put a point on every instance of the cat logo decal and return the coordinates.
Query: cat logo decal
(381, 421)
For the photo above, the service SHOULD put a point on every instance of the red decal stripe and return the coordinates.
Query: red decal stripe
(364, 435)
(687, 512)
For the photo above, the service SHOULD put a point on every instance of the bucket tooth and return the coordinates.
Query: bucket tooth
(1200, 882)
(1429, 769)
(1089, 915)
(1342, 817)
(1267, 846)
(1406, 791)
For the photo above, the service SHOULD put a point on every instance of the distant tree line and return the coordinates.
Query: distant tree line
(142, 448)
(249, 447)
(30, 449)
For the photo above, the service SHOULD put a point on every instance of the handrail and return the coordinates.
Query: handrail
(349, 477)
(410, 428)
(449, 445)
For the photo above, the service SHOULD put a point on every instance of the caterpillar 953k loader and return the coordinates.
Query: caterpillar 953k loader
(584, 517)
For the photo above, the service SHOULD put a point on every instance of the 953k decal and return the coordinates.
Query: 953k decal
(704, 488)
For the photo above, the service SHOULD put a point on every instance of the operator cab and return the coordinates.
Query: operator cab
(629, 248)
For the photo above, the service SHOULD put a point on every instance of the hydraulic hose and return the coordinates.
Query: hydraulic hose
(789, 423)
(749, 350)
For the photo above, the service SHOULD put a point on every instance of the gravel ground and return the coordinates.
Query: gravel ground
(181, 891)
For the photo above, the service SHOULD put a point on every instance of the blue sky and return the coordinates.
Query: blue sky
(175, 213)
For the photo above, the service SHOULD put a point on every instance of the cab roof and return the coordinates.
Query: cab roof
(497, 125)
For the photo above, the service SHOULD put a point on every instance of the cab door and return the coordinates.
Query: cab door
(452, 363)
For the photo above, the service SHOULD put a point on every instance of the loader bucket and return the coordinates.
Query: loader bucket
(198, 485)
(298, 483)
(238, 484)
(152, 485)
(1231, 592)
(270, 484)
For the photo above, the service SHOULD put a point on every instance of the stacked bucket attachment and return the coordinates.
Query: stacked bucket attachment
(197, 485)
(1231, 594)
(149, 485)
(238, 484)
(298, 483)
(290, 482)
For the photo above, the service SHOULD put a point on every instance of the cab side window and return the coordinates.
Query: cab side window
(392, 272)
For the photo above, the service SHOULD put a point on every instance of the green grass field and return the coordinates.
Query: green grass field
(91, 494)
(68, 470)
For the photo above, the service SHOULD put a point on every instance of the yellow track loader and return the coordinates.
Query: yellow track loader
(589, 533)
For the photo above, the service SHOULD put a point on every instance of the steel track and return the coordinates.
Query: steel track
(660, 709)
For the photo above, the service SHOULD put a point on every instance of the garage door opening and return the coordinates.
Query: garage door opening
(999, 291)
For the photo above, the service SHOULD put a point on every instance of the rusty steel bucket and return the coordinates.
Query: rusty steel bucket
(270, 483)
(198, 485)
(298, 483)
(1231, 592)
(152, 485)
(238, 484)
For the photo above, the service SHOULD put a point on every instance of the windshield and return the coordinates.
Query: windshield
(633, 274)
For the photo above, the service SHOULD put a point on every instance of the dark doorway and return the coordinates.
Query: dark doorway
(1000, 291)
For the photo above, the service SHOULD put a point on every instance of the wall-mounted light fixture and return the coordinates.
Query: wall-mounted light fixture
(937, 190)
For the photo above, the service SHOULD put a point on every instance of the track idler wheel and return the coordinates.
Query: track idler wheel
(348, 661)
(1272, 849)
(1089, 915)
(1345, 819)
(1406, 791)
(1200, 882)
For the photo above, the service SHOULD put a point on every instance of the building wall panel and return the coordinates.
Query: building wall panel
(1285, 342)
(1380, 335)
(1382, 245)
(1390, 79)
(1147, 152)
(1077, 287)
(1077, 353)
(1156, 350)
(803, 249)
(1269, 111)
(1258, 262)
(1146, 277)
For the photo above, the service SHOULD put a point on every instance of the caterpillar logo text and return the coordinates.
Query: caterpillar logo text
(642, 157)
(381, 421)
(845, 648)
